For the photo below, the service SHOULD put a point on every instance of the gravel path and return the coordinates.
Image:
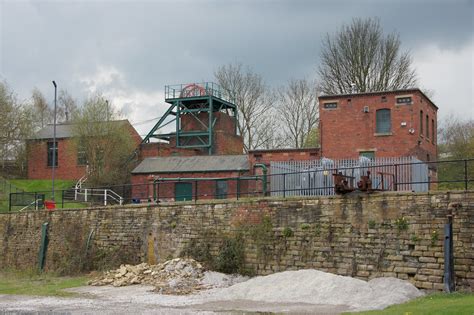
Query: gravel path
(140, 300)
(292, 292)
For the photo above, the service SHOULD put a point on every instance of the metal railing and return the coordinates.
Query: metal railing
(447, 175)
(107, 194)
(195, 90)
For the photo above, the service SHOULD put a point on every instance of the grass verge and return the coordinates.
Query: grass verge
(438, 303)
(43, 186)
(34, 283)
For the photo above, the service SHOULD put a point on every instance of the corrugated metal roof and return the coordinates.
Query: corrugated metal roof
(63, 130)
(188, 164)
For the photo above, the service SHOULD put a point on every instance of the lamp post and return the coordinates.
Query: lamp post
(54, 137)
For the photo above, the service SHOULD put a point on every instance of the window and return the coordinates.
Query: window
(384, 99)
(421, 122)
(331, 105)
(404, 100)
(367, 154)
(81, 154)
(383, 121)
(427, 126)
(52, 148)
(221, 189)
(432, 131)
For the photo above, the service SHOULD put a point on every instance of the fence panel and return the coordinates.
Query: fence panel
(315, 177)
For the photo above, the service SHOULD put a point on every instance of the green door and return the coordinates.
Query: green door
(183, 191)
(221, 189)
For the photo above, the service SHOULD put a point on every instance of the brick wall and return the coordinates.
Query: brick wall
(347, 130)
(142, 189)
(67, 157)
(278, 155)
(223, 122)
(227, 143)
(155, 149)
(365, 236)
(67, 160)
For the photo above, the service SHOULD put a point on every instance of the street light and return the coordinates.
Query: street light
(54, 136)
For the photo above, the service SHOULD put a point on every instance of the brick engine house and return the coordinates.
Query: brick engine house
(378, 124)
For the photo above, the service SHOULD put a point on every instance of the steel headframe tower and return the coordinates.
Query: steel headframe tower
(193, 108)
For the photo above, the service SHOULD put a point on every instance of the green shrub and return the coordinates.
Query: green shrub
(231, 255)
(371, 224)
(401, 224)
(288, 232)
(305, 226)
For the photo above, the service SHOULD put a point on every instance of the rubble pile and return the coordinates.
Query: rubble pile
(177, 276)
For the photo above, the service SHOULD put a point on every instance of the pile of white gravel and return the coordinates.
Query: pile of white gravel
(317, 287)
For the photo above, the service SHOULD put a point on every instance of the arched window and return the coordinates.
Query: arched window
(383, 121)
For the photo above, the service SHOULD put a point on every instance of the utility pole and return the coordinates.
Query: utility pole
(54, 138)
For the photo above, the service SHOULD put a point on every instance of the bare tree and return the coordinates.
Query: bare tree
(360, 54)
(254, 101)
(43, 112)
(104, 141)
(15, 127)
(298, 109)
(66, 106)
(457, 138)
(456, 141)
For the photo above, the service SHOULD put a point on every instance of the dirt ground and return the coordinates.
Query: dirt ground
(139, 299)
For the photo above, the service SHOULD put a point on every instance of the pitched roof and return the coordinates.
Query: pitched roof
(63, 130)
(190, 164)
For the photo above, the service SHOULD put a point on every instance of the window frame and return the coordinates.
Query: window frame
(50, 146)
(334, 103)
(427, 129)
(421, 123)
(364, 154)
(433, 133)
(379, 128)
(404, 100)
(81, 154)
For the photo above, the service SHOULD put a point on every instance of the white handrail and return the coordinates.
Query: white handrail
(81, 181)
(106, 193)
(27, 206)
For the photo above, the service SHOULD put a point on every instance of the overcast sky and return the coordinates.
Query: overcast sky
(128, 50)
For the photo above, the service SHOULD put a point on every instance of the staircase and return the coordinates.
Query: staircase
(102, 196)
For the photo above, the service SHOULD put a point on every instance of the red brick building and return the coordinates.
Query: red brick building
(183, 177)
(382, 124)
(378, 124)
(70, 163)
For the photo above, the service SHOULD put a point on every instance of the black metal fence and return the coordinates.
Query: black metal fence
(444, 175)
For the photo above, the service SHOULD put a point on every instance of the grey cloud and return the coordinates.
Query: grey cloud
(154, 43)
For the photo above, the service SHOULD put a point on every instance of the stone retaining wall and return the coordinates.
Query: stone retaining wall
(365, 236)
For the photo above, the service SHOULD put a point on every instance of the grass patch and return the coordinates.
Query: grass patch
(43, 186)
(438, 303)
(34, 283)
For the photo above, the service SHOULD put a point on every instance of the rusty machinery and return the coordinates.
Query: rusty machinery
(343, 184)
